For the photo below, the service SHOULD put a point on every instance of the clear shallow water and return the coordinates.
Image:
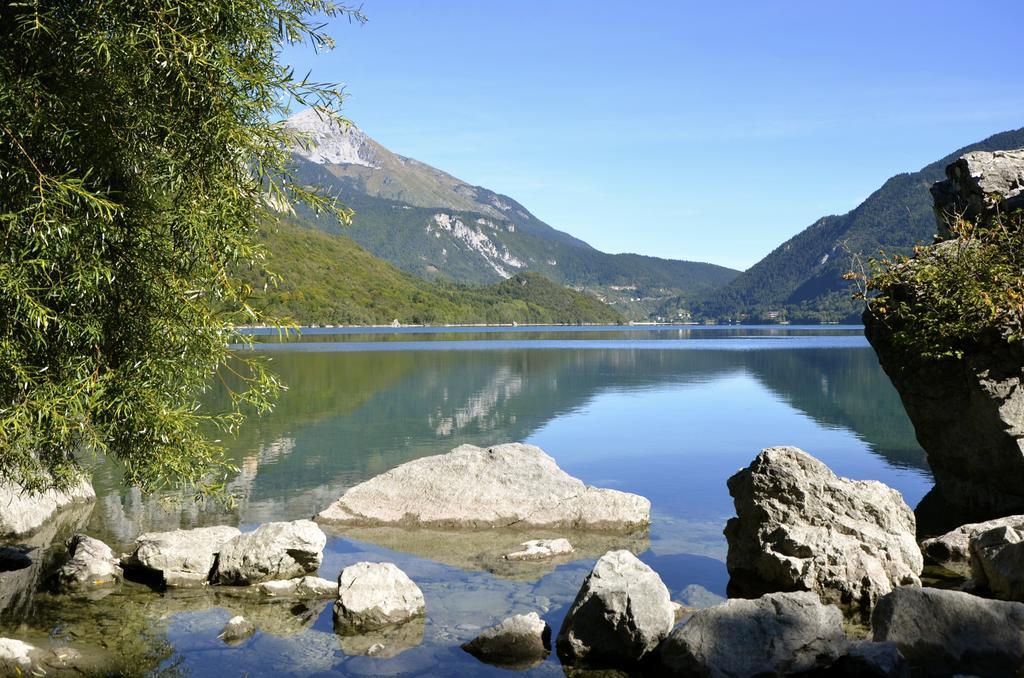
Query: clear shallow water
(669, 413)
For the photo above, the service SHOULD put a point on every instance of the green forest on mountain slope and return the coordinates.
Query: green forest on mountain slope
(329, 279)
(802, 279)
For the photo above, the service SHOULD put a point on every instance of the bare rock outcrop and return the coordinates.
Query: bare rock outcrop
(281, 550)
(179, 557)
(979, 183)
(800, 527)
(512, 485)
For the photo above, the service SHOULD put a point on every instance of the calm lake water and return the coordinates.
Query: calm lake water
(669, 413)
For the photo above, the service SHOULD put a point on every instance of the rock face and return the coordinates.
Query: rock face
(539, 549)
(777, 634)
(997, 562)
(375, 595)
(968, 412)
(953, 549)
(978, 183)
(301, 587)
(942, 633)
(800, 527)
(619, 616)
(271, 551)
(472, 487)
(22, 513)
(519, 642)
(92, 564)
(179, 557)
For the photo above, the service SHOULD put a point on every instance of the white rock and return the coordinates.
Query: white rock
(23, 513)
(619, 616)
(92, 563)
(800, 527)
(272, 551)
(180, 557)
(301, 587)
(540, 549)
(374, 595)
(15, 656)
(472, 487)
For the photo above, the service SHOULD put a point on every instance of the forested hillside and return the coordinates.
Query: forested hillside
(329, 279)
(802, 279)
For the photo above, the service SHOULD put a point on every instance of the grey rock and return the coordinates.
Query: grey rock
(22, 512)
(997, 562)
(272, 551)
(867, 658)
(945, 632)
(800, 527)
(300, 587)
(620, 614)
(979, 183)
(179, 557)
(92, 564)
(519, 642)
(373, 596)
(471, 487)
(777, 634)
(236, 630)
(953, 549)
(540, 549)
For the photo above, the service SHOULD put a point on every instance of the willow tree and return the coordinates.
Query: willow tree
(140, 145)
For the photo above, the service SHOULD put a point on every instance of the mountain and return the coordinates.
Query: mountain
(436, 226)
(801, 280)
(329, 279)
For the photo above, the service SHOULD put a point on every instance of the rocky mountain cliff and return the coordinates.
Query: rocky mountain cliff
(434, 225)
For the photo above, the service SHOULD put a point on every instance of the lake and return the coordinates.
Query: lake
(666, 412)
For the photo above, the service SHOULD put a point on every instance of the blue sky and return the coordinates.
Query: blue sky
(708, 131)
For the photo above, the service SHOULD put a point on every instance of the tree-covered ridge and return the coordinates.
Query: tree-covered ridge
(328, 279)
(398, 203)
(802, 279)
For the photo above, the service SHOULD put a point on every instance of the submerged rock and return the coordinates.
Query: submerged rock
(179, 557)
(620, 614)
(519, 642)
(777, 634)
(15, 656)
(472, 487)
(23, 513)
(236, 630)
(801, 527)
(92, 563)
(301, 587)
(942, 633)
(373, 596)
(272, 551)
(385, 642)
(953, 549)
(540, 549)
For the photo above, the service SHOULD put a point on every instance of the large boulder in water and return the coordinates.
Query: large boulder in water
(179, 557)
(620, 614)
(775, 635)
(519, 642)
(942, 633)
(800, 527)
(23, 512)
(968, 408)
(92, 564)
(476, 488)
(281, 550)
